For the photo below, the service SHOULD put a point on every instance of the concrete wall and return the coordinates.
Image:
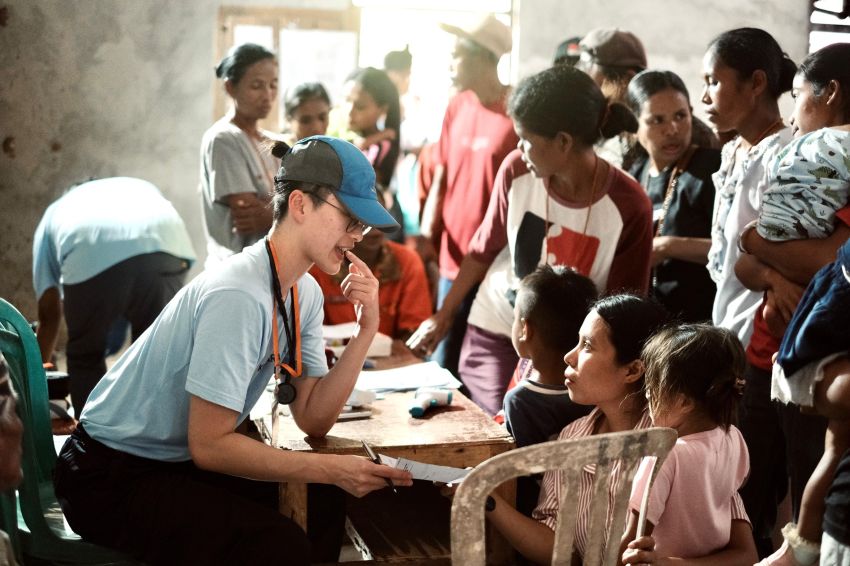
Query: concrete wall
(95, 88)
(674, 33)
(121, 87)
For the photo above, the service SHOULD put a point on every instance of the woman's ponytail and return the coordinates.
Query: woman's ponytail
(279, 148)
(787, 71)
(616, 119)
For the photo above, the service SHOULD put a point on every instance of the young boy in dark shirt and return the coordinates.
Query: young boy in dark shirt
(550, 306)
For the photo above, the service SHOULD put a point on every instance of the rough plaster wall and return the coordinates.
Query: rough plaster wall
(94, 88)
(674, 33)
(117, 88)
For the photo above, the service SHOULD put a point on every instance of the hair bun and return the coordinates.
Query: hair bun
(617, 118)
(787, 72)
(279, 149)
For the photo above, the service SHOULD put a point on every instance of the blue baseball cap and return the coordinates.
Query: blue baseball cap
(337, 164)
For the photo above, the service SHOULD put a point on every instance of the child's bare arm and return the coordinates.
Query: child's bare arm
(741, 551)
(631, 532)
(812, 507)
(796, 260)
(377, 137)
(831, 399)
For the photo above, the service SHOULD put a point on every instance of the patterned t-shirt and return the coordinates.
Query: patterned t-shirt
(548, 505)
(809, 182)
(738, 197)
(527, 225)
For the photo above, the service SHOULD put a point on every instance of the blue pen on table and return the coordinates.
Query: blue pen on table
(377, 459)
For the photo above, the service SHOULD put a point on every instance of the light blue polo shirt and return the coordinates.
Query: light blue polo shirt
(213, 340)
(101, 223)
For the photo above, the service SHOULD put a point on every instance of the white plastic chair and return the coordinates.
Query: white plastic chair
(568, 456)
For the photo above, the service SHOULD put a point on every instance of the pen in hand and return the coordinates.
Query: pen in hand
(377, 460)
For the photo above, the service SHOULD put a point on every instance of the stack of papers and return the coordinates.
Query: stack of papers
(337, 336)
(407, 378)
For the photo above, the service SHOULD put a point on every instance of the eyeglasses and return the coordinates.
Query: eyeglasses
(353, 223)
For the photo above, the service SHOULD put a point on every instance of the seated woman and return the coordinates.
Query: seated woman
(605, 370)
(676, 174)
(403, 296)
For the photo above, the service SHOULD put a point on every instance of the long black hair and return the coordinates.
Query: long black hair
(631, 321)
(648, 83)
(564, 99)
(384, 92)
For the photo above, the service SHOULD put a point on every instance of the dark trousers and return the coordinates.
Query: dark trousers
(172, 513)
(782, 443)
(447, 352)
(136, 289)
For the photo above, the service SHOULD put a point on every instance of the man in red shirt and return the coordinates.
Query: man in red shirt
(476, 136)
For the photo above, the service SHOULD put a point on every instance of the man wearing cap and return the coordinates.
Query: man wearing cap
(568, 52)
(612, 57)
(476, 136)
(156, 467)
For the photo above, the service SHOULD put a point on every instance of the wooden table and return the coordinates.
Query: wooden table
(460, 435)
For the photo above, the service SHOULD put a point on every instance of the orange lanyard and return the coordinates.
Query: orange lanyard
(294, 367)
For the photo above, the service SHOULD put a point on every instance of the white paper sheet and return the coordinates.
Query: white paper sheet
(407, 378)
(429, 472)
(337, 336)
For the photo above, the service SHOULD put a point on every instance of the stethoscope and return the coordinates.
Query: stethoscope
(284, 390)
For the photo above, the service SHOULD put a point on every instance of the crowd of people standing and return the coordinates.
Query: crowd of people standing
(590, 260)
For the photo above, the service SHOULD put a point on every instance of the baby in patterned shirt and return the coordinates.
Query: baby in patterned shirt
(810, 178)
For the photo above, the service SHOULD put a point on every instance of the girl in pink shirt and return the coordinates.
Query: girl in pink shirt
(693, 382)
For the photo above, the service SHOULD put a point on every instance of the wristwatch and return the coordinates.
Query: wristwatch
(490, 504)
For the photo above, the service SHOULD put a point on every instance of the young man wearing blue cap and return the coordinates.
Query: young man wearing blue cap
(156, 467)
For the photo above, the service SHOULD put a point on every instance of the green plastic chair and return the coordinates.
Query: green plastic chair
(42, 532)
